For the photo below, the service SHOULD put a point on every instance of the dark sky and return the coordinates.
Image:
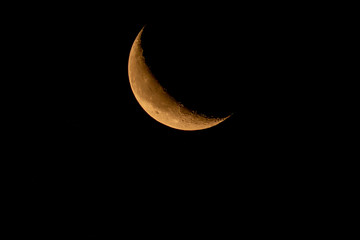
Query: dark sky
(105, 164)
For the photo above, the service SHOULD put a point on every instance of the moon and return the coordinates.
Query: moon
(156, 101)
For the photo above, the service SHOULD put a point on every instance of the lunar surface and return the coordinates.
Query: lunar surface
(156, 101)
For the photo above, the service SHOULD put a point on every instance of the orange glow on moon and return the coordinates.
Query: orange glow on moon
(156, 101)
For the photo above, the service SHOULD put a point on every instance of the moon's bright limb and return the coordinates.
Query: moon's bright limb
(156, 101)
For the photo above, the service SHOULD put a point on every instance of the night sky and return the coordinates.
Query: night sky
(105, 166)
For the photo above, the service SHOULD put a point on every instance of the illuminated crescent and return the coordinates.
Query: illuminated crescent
(154, 99)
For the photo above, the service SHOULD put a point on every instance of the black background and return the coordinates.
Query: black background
(101, 166)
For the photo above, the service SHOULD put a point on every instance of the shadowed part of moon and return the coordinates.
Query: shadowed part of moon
(156, 101)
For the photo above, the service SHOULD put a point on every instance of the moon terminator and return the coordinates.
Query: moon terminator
(156, 101)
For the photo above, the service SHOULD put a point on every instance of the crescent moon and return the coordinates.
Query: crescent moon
(155, 100)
